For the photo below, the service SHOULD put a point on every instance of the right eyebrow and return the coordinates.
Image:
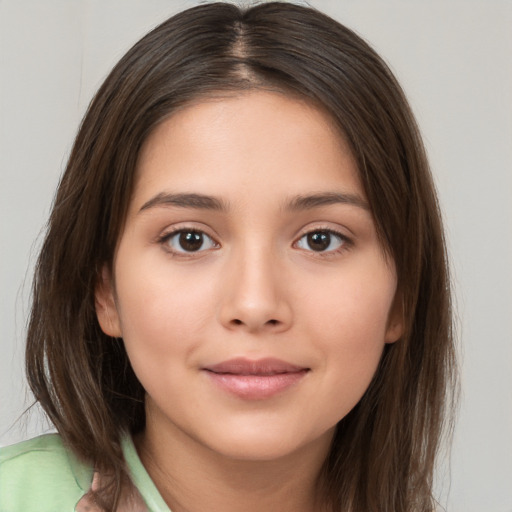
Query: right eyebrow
(196, 201)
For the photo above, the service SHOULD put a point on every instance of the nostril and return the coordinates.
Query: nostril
(237, 321)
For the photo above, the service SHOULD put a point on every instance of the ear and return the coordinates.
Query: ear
(106, 309)
(395, 326)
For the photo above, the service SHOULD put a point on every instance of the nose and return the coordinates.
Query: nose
(256, 295)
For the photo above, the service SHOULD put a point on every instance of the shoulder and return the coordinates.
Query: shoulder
(41, 474)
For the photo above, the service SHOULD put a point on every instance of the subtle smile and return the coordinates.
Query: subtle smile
(255, 380)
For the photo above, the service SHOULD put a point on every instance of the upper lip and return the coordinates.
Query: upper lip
(243, 366)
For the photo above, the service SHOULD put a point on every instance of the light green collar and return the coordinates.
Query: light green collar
(141, 479)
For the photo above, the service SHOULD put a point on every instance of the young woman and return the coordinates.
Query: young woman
(242, 301)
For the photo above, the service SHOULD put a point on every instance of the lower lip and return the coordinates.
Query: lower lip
(256, 387)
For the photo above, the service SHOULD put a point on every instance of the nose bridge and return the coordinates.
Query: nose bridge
(254, 298)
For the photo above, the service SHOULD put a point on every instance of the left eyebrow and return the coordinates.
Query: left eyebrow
(308, 202)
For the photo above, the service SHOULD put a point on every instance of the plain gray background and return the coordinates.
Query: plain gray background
(454, 59)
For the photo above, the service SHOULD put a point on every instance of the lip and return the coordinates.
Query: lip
(255, 379)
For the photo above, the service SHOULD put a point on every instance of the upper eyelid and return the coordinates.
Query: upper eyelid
(173, 232)
(328, 229)
(170, 231)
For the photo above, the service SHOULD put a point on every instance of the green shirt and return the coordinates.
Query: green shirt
(43, 475)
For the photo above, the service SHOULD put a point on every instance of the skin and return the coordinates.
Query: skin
(254, 289)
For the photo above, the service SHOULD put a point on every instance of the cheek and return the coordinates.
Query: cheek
(353, 305)
(162, 315)
(348, 324)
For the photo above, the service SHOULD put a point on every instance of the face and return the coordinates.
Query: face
(248, 285)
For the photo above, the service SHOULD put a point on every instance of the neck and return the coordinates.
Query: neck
(192, 478)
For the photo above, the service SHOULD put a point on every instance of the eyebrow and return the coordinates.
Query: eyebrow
(196, 201)
(308, 202)
(297, 203)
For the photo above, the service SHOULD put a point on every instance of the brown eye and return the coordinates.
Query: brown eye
(189, 241)
(321, 241)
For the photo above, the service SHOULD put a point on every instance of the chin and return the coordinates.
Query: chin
(264, 444)
(259, 451)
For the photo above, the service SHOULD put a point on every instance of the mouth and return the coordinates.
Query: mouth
(255, 379)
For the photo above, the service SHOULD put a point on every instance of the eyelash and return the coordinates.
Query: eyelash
(345, 242)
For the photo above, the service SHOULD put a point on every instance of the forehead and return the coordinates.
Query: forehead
(252, 140)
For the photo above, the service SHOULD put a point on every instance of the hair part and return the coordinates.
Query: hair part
(383, 452)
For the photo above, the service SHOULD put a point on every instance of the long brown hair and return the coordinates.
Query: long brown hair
(382, 456)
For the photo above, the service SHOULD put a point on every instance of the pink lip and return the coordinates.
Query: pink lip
(255, 380)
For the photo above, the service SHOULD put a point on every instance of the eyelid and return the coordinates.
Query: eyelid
(180, 226)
